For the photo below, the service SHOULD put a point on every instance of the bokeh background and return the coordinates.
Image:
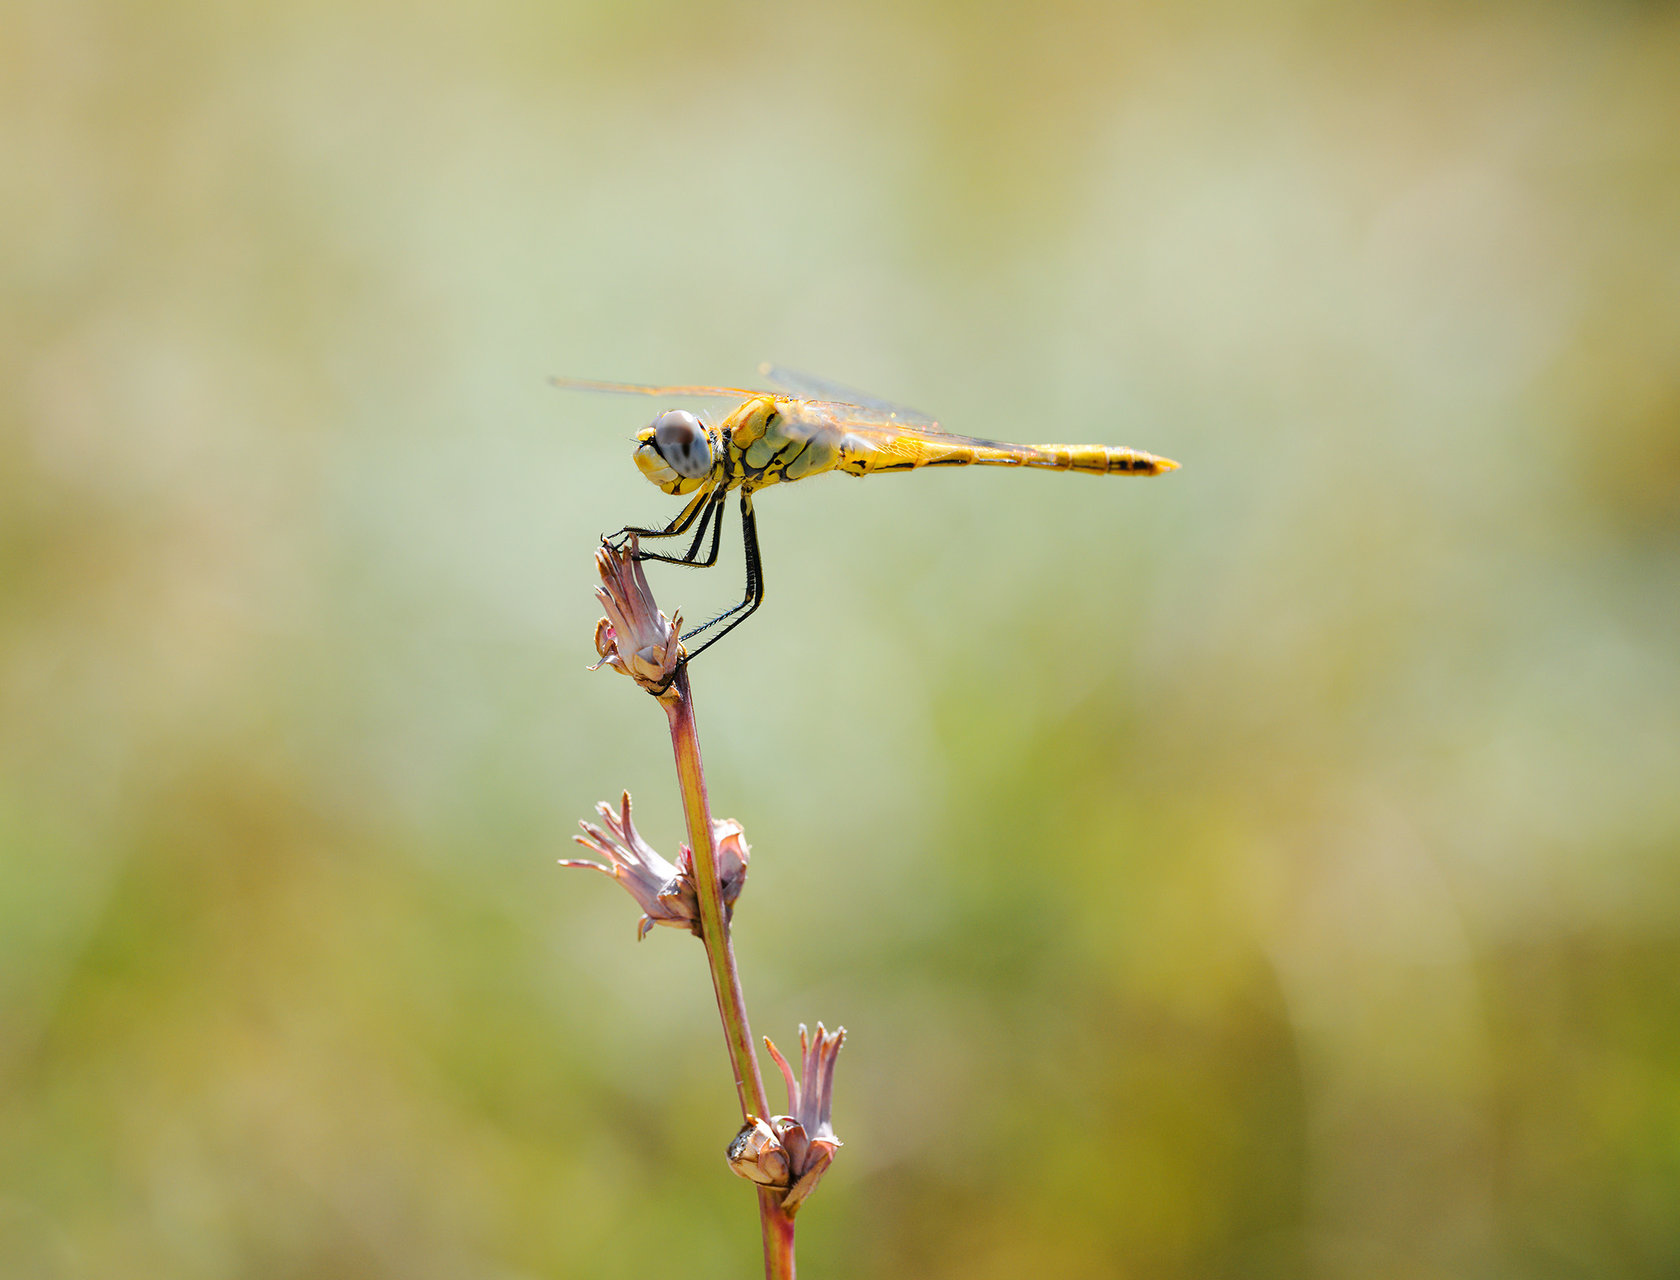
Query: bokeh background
(1268, 871)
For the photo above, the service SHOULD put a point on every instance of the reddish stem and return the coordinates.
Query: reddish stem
(776, 1224)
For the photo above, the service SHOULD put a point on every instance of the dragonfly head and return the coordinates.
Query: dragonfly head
(675, 451)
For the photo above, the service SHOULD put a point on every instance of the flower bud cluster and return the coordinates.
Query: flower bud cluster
(665, 892)
(791, 1153)
(635, 637)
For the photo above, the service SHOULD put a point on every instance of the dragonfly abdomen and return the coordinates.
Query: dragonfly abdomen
(909, 452)
(1098, 460)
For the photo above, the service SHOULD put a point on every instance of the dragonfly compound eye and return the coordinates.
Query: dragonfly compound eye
(683, 443)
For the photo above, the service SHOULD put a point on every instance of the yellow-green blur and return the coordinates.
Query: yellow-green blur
(1268, 872)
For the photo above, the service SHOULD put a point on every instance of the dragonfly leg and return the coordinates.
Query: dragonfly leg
(737, 614)
(685, 518)
(713, 516)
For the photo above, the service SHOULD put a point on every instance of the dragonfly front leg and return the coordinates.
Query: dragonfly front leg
(737, 614)
(713, 516)
(679, 526)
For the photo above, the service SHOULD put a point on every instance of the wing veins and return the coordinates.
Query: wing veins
(643, 389)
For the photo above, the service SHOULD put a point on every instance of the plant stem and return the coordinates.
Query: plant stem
(777, 1225)
(778, 1235)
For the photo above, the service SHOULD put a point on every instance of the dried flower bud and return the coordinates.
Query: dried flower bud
(666, 893)
(634, 637)
(756, 1154)
(792, 1152)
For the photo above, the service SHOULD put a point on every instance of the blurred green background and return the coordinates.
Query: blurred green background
(1268, 871)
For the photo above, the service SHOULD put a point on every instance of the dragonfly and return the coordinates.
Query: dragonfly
(804, 428)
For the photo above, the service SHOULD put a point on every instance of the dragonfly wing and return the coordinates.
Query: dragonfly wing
(919, 442)
(872, 408)
(834, 422)
(643, 389)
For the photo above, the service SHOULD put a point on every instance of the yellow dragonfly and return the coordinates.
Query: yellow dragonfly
(807, 427)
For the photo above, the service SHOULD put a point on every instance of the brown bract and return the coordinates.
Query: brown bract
(635, 637)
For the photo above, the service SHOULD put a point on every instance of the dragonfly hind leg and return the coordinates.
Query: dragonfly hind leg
(754, 596)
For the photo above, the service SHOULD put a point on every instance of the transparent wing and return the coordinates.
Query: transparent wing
(864, 407)
(834, 419)
(644, 389)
